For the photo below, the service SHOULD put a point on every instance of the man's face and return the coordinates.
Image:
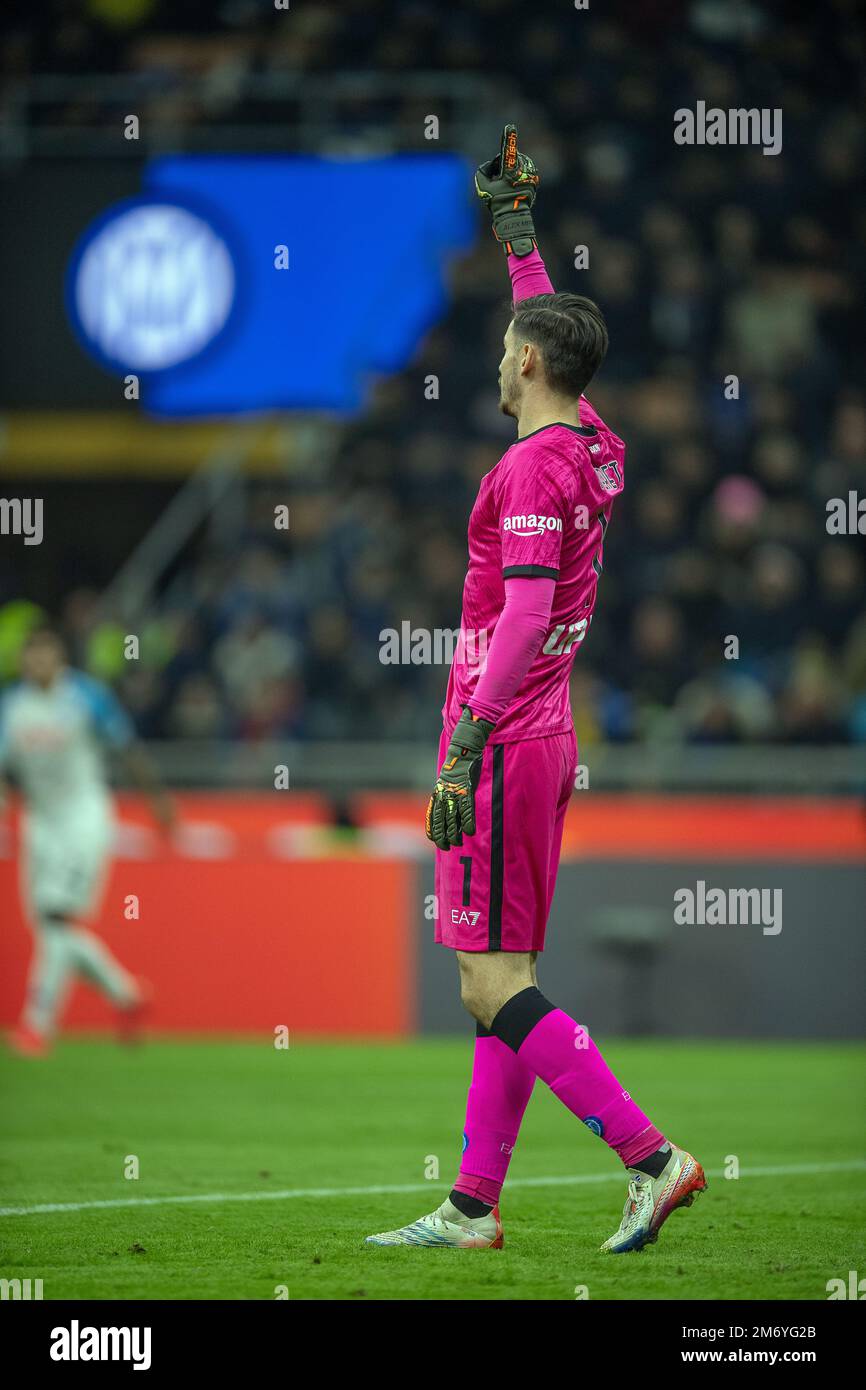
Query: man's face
(41, 660)
(509, 376)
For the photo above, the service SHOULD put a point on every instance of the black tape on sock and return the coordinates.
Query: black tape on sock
(654, 1164)
(472, 1207)
(516, 1019)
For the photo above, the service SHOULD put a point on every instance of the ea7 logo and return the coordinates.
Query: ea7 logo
(463, 917)
(531, 525)
(609, 476)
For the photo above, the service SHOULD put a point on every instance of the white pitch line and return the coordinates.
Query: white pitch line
(293, 1193)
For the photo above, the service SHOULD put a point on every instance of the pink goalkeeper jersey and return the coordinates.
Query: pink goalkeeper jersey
(543, 510)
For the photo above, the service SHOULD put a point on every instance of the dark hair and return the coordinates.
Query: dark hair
(571, 334)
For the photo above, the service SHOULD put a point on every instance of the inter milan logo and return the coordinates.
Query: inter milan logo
(150, 286)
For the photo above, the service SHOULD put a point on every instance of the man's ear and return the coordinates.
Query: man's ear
(529, 359)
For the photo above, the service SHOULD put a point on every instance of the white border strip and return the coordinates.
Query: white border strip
(316, 1193)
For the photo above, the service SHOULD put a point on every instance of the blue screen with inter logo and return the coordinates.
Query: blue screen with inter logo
(242, 284)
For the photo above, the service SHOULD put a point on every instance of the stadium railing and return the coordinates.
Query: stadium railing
(334, 767)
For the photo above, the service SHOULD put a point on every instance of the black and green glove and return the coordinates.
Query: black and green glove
(507, 185)
(451, 809)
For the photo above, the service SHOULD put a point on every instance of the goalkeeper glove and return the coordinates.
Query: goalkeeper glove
(507, 185)
(451, 809)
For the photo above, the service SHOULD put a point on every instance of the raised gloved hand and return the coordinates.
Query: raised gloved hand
(507, 184)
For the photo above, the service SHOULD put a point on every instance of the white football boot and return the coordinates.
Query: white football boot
(447, 1227)
(651, 1200)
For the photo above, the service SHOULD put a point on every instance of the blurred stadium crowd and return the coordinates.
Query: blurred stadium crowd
(709, 263)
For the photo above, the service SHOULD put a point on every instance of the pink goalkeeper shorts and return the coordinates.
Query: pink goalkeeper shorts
(494, 891)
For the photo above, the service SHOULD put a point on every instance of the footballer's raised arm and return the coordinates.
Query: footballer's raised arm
(507, 184)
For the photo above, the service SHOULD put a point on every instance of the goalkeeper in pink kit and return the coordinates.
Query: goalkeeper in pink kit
(508, 753)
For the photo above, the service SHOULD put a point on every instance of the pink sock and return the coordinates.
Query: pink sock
(562, 1053)
(498, 1095)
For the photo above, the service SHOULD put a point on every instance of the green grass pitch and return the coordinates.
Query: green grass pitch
(214, 1119)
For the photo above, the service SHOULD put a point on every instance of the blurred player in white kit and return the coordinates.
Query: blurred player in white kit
(55, 726)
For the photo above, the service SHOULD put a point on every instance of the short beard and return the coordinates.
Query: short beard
(507, 398)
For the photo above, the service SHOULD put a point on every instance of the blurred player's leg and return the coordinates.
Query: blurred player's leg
(63, 951)
(51, 973)
(63, 874)
(94, 962)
